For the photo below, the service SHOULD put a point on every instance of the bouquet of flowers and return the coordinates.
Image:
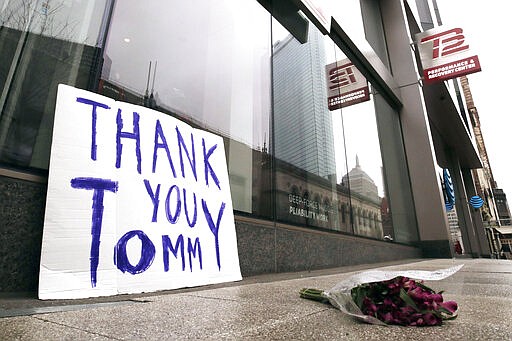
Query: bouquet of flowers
(390, 297)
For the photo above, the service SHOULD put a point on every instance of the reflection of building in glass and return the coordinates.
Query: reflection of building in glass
(307, 199)
(27, 118)
(240, 172)
(360, 182)
(302, 123)
(387, 220)
(365, 201)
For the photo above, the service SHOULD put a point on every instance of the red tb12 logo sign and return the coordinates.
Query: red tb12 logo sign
(446, 43)
(445, 54)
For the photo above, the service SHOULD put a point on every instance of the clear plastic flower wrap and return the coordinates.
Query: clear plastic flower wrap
(390, 297)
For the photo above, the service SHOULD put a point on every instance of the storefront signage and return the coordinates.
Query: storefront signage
(345, 85)
(137, 201)
(305, 208)
(445, 54)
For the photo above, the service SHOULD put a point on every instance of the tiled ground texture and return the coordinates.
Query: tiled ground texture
(266, 308)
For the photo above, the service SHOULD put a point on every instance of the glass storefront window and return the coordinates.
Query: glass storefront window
(327, 155)
(207, 63)
(42, 44)
(296, 152)
(364, 179)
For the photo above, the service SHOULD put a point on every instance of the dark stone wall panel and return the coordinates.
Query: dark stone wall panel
(256, 248)
(21, 228)
(436, 249)
(298, 251)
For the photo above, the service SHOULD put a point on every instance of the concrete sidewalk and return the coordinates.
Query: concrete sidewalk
(266, 307)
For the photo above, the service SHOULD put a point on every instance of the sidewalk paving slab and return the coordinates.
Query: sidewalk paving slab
(267, 308)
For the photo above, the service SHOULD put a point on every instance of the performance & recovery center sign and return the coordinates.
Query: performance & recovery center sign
(137, 201)
(445, 54)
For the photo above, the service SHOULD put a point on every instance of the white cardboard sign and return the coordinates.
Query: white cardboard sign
(137, 201)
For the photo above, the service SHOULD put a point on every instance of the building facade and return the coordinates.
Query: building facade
(502, 206)
(311, 187)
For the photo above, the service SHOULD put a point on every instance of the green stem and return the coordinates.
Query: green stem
(313, 294)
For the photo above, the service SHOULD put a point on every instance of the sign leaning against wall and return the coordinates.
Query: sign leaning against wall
(137, 201)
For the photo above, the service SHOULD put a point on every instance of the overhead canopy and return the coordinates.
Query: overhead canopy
(449, 130)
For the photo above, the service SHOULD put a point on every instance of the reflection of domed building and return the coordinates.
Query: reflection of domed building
(360, 182)
(366, 203)
(308, 199)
